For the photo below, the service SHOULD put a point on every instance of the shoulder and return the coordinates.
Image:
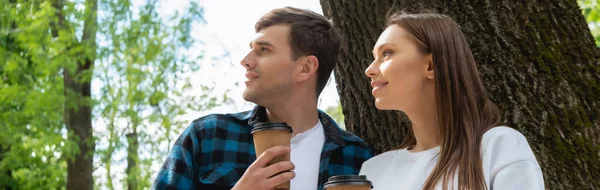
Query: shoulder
(355, 144)
(502, 146)
(375, 165)
(351, 138)
(350, 143)
(383, 158)
(503, 136)
(230, 121)
(509, 160)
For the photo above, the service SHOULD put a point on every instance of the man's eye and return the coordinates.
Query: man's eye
(262, 50)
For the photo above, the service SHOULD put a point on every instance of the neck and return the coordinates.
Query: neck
(425, 125)
(299, 112)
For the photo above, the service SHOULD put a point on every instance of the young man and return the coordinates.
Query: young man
(288, 65)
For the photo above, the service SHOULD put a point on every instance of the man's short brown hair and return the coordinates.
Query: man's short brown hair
(310, 34)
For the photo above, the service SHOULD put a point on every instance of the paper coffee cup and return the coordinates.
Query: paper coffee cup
(270, 134)
(348, 182)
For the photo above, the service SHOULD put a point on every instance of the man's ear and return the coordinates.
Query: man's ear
(308, 67)
(429, 73)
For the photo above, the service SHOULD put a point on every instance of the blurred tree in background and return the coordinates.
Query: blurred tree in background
(591, 11)
(57, 131)
(336, 114)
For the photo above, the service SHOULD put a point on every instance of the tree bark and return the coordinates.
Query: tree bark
(8, 182)
(132, 171)
(79, 121)
(538, 62)
(77, 89)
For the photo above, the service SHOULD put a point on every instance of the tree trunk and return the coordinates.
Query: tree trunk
(538, 62)
(79, 121)
(78, 106)
(133, 171)
(7, 181)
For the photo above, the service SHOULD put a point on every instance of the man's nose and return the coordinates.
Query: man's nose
(248, 61)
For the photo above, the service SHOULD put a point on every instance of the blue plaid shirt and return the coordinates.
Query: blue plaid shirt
(215, 151)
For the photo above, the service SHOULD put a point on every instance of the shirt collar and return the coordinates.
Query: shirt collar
(331, 129)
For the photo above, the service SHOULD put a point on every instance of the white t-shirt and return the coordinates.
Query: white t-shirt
(306, 156)
(508, 163)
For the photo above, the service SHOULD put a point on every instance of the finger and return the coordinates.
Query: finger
(278, 167)
(279, 179)
(269, 154)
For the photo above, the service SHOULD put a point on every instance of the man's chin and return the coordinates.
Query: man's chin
(249, 96)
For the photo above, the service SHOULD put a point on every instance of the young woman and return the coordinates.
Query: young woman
(423, 66)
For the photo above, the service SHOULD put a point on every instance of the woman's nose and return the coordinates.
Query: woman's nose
(372, 70)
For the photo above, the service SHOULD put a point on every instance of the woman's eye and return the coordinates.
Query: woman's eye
(386, 53)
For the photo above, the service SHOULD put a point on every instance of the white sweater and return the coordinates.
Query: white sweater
(508, 163)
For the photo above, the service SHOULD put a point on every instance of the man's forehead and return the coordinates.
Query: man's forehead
(259, 36)
(276, 35)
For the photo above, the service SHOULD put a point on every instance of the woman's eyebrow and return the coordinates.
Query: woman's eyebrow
(378, 47)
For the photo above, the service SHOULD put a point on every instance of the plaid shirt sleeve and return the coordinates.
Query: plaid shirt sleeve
(178, 171)
(211, 154)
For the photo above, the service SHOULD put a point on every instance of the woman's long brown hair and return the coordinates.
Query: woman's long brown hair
(464, 109)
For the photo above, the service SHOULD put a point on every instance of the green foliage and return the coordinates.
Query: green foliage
(33, 143)
(337, 114)
(141, 88)
(145, 73)
(591, 11)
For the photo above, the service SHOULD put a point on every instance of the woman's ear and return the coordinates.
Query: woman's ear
(429, 73)
(308, 67)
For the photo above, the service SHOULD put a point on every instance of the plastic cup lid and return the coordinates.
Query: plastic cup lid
(348, 180)
(270, 126)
